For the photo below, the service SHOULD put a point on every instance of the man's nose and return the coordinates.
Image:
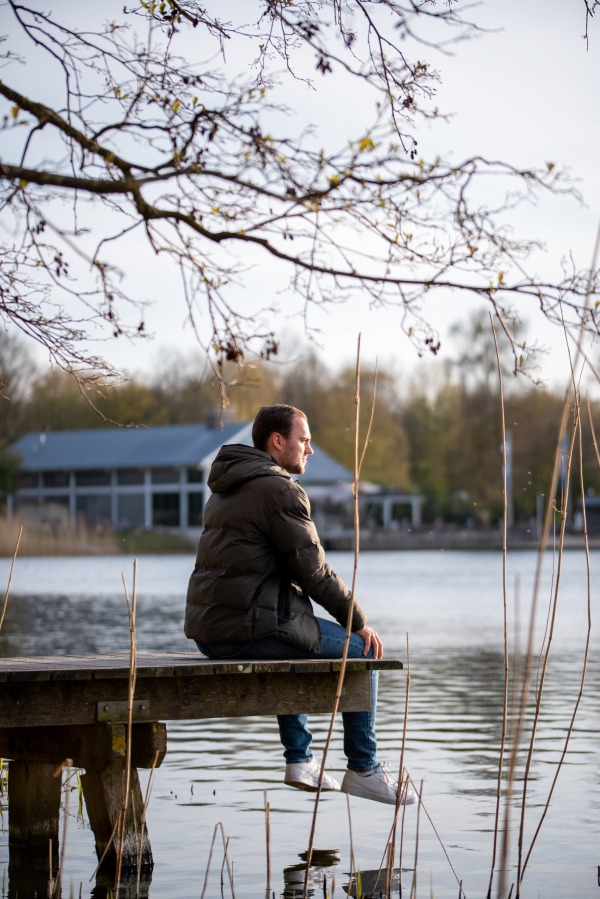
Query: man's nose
(309, 450)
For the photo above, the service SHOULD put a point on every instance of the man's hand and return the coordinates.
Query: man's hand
(372, 641)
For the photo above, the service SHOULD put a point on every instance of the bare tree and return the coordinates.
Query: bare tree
(169, 125)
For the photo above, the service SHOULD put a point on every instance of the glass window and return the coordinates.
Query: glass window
(92, 478)
(165, 476)
(130, 510)
(195, 476)
(27, 479)
(95, 509)
(128, 476)
(55, 479)
(195, 518)
(165, 510)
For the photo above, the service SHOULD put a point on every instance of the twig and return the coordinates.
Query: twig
(505, 616)
(10, 574)
(423, 807)
(557, 461)
(131, 607)
(352, 857)
(218, 826)
(413, 889)
(67, 763)
(402, 787)
(143, 821)
(340, 683)
(268, 840)
(583, 670)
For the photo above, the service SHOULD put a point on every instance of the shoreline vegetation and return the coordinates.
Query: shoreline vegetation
(49, 540)
(45, 540)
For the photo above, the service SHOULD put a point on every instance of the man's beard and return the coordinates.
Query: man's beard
(293, 466)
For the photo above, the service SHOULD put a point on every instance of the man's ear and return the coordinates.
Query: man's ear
(275, 442)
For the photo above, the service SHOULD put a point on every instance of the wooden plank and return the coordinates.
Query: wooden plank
(44, 703)
(41, 691)
(163, 664)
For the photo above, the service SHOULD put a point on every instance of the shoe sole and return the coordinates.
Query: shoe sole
(310, 788)
(368, 795)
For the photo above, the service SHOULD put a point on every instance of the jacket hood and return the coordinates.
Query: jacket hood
(236, 463)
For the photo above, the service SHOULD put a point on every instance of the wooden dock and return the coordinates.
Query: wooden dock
(78, 711)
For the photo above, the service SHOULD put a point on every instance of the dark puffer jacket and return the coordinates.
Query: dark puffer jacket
(259, 559)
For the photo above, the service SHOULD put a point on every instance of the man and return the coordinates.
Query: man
(258, 566)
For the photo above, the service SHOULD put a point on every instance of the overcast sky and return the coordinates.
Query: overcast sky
(527, 93)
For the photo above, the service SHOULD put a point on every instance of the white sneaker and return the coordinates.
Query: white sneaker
(305, 776)
(376, 784)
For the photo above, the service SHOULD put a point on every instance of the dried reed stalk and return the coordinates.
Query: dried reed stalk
(358, 460)
(583, 669)
(571, 391)
(268, 840)
(10, 574)
(505, 618)
(56, 883)
(131, 608)
(218, 826)
(413, 888)
(143, 821)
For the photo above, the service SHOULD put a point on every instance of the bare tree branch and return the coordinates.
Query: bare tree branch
(141, 136)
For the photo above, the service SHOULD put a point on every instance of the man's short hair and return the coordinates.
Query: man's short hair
(271, 420)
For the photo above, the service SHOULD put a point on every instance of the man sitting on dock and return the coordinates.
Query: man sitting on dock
(259, 564)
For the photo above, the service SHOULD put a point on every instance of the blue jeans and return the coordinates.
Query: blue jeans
(360, 742)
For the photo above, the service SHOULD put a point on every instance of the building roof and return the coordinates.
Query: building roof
(107, 448)
(165, 446)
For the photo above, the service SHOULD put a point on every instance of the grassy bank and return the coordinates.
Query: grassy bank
(46, 540)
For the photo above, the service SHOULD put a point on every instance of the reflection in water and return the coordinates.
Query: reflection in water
(217, 771)
(132, 885)
(367, 884)
(319, 879)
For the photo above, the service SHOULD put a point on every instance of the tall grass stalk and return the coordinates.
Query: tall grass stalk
(571, 395)
(521, 712)
(505, 619)
(583, 669)
(268, 840)
(218, 826)
(543, 667)
(413, 888)
(423, 808)
(571, 391)
(10, 574)
(351, 837)
(131, 608)
(358, 460)
(403, 778)
(54, 885)
(144, 818)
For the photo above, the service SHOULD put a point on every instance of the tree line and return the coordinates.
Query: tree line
(438, 432)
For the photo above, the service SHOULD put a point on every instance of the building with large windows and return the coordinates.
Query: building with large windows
(133, 477)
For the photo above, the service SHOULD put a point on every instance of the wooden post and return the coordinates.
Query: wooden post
(104, 794)
(33, 824)
(34, 803)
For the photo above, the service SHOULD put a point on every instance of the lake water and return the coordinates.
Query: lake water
(220, 773)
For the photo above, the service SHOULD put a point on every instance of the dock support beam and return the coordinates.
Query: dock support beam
(117, 831)
(37, 754)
